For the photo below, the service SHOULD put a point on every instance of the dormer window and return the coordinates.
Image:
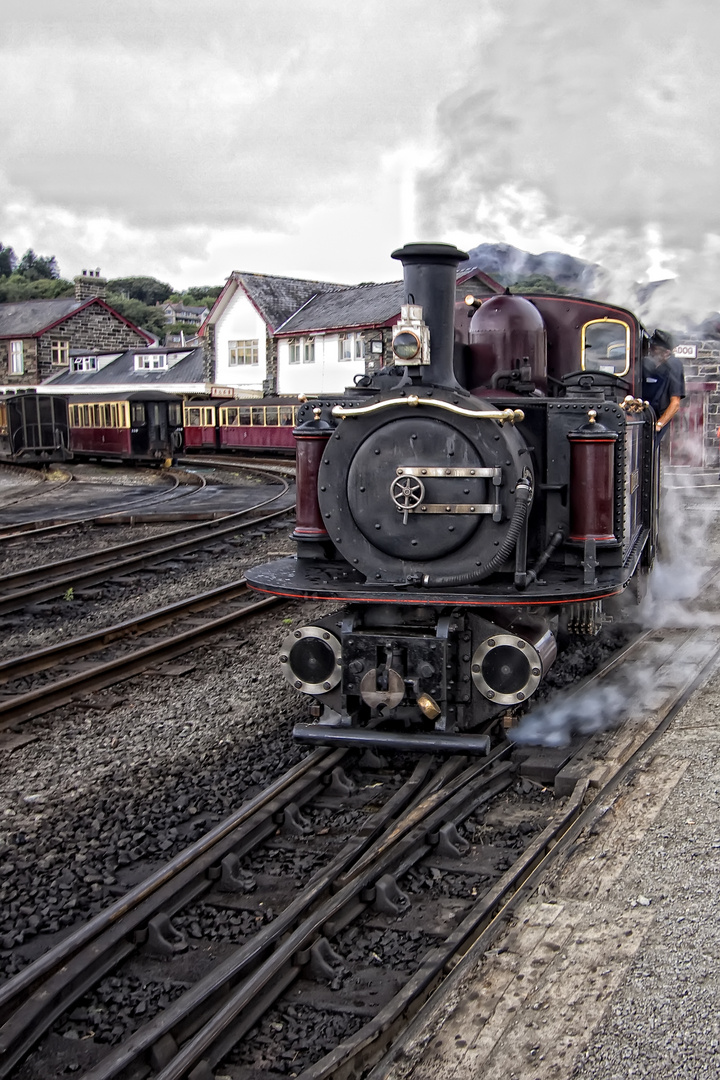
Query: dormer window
(84, 363)
(151, 362)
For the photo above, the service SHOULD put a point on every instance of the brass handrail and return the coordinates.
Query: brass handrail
(510, 416)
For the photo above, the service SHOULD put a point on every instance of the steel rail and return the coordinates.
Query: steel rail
(52, 655)
(42, 527)
(37, 529)
(244, 975)
(489, 929)
(63, 974)
(33, 999)
(70, 575)
(53, 695)
(24, 495)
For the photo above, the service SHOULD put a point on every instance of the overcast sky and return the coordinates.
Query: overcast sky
(311, 137)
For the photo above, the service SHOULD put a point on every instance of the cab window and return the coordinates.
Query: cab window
(137, 413)
(606, 346)
(174, 413)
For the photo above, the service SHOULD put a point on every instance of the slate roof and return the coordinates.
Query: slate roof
(29, 317)
(122, 371)
(276, 298)
(355, 305)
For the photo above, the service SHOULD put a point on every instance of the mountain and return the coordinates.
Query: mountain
(508, 264)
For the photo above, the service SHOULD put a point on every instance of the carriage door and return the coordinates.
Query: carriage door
(157, 426)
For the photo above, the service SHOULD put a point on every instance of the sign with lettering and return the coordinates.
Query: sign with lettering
(686, 352)
(222, 391)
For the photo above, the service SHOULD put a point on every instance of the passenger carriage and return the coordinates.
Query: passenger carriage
(140, 426)
(240, 424)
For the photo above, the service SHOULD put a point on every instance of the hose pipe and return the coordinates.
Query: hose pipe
(523, 493)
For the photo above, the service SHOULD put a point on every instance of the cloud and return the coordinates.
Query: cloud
(595, 122)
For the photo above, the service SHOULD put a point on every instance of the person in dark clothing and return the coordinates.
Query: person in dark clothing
(663, 380)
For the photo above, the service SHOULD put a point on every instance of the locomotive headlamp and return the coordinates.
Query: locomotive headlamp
(507, 669)
(311, 660)
(406, 345)
(411, 337)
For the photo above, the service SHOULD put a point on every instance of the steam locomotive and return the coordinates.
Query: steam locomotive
(494, 488)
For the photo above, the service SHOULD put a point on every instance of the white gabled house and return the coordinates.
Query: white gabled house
(276, 335)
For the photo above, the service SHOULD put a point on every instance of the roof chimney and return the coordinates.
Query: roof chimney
(89, 285)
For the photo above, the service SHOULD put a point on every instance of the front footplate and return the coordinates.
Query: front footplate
(434, 742)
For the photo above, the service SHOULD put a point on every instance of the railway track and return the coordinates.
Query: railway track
(66, 675)
(133, 511)
(395, 887)
(55, 579)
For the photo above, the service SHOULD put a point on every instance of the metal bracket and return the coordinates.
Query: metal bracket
(494, 474)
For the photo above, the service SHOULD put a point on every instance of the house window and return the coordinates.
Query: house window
(295, 351)
(17, 360)
(345, 347)
(155, 362)
(60, 352)
(243, 352)
(84, 363)
(309, 351)
(359, 347)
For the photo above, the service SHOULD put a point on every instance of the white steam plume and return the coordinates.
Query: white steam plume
(595, 122)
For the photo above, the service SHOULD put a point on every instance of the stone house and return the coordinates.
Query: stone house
(268, 335)
(183, 313)
(37, 336)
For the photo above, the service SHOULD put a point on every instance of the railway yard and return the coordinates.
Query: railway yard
(186, 891)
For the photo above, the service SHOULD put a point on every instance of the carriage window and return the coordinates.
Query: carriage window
(192, 417)
(208, 417)
(243, 417)
(96, 415)
(286, 415)
(230, 418)
(174, 413)
(606, 346)
(258, 417)
(87, 416)
(107, 416)
(271, 415)
(137, 413)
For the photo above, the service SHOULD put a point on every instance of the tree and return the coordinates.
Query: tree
(147, 316)
(204, 295)
(8, 261)
(146, 289)
(16, 288)
(539, 284)
(36, 267)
